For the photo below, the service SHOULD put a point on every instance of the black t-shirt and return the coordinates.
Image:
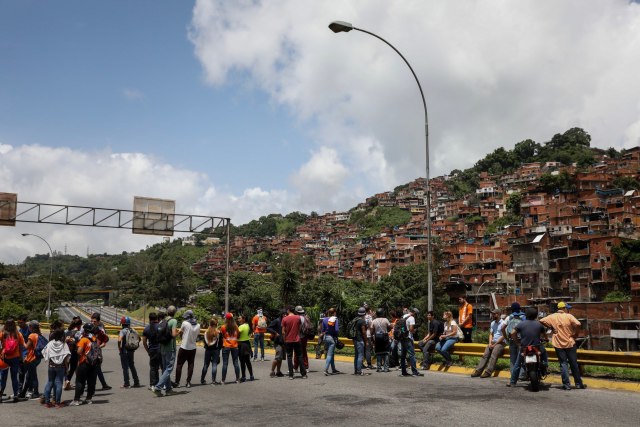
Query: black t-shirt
(529, 331)
(151, 334)
(436, 326)
(276, 327)
(360, 323)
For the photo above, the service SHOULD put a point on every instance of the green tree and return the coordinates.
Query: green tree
(513, 203)
(626, 183)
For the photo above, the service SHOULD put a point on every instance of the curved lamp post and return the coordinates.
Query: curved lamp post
(48, 312)
(345, 27)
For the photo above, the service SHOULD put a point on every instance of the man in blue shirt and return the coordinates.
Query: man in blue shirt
(494, 350)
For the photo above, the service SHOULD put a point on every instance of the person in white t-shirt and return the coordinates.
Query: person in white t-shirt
(408, 350)
(187, 352)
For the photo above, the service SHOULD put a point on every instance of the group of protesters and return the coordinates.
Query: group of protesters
(229, 338)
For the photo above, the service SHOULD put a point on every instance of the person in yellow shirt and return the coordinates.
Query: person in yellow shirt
(565, 328)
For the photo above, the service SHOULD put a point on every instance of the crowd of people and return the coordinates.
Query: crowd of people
(241, 340)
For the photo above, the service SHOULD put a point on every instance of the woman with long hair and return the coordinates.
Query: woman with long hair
(244, 348)
(329, 333)
(452, 333)
(57, 354)
(212, 345)
(12, 345)
(230, 346)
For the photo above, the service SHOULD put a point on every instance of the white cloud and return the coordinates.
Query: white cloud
(111, 180)
(132, 94)
(494, 73)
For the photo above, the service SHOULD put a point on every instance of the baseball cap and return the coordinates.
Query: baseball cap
(228, 316)
(563, 305)
(188, 314)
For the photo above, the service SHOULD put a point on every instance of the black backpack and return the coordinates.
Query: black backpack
(164, 332)
(351, 327)
(400, 329)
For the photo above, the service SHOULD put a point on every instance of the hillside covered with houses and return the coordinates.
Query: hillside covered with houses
(559, 220)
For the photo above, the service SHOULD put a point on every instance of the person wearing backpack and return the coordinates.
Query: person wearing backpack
(212, 347)
(128, 343)
(152, 347)
(259, 323)
(12, 344)
(72, 336)
(357, 330)
(167, 332)
(381, 327)
(291, 325)
(34, 345)
(89, 359)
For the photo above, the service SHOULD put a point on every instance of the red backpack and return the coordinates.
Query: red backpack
(10, 345)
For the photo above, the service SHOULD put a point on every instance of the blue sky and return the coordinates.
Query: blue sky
(123, 75)
(245, 108)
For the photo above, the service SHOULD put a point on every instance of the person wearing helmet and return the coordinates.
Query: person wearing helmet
(128, 342)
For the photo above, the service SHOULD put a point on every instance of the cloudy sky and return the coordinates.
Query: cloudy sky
(244, 108)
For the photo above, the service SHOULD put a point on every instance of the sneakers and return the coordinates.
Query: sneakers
(272, 374)
(214, 382)
(485, 375)
(175, 385)
(262, 359)
(581, 386)
(136, 385)
(417, 374)
(67, 385)
(188, 385)
(125, 386)
(291, 377)
(475, 374)
(566, 387)
(279, 374)
(203, 381)
(335, 372)
(75, 403)
(304, 377)
(106, 387)
(326, 373)
(88, 402)
(251, 378)
(255, 359)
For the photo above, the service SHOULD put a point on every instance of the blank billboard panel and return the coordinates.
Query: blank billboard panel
(153, 216)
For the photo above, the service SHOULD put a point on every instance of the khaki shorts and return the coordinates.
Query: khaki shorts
(280, 353)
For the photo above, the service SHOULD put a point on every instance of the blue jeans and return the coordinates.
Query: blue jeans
(330, 346)
(258, 339)
(211, 357)
(14, 368)
(225, 362)
(408, 352)
(444, 346)
(359, 356)
(56, 377)
(127, 362)
(168, 360)
(518, 370)
(568, 358)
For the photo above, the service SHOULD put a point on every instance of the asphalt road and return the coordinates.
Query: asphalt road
(346, 400)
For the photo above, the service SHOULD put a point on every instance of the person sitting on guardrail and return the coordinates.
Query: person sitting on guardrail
(450, 336)
(494, 350)
(565, 329)
(275, 330)
(128, 342)
(189, 331)
(428, 343)
(103, 339)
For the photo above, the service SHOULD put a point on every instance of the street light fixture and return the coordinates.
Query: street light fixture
(345, 27)
(48, 312)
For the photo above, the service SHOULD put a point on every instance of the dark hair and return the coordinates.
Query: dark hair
(531, 313)
(57, 335)
(23, 318)
(393, 313)
(56, 324)
(162, 315)
(431, 312)
(380, 312)
(96, 316)
(10, 327)
(331, 312)
(291, 309)
(153, 316)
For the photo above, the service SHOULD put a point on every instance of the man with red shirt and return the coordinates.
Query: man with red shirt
(291, 324)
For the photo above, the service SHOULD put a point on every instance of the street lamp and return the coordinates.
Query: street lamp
(345, 27)
(48, 312)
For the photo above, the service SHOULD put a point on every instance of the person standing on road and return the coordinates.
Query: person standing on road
(168, 351)
(212, 347)
(303, 340)
(360, 334)
(428, 343)
(381, 327)
(126, 340)
(408, 351)
(320, 343)
(57, 354)
(275, 329)
(368, 342)
(103, 339)
(31, 362)
(72, 336)
(12, 345)
(508, 326)
(86, 372)
(565, 328)
(230, 346)
(291, 324)
(152, 347)
(189, 331)
(528, 332)
(465, 318)
(329, 333)
(450, 336)
(394, 352)
(494, 350)
(259, 325)
(244, 348)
